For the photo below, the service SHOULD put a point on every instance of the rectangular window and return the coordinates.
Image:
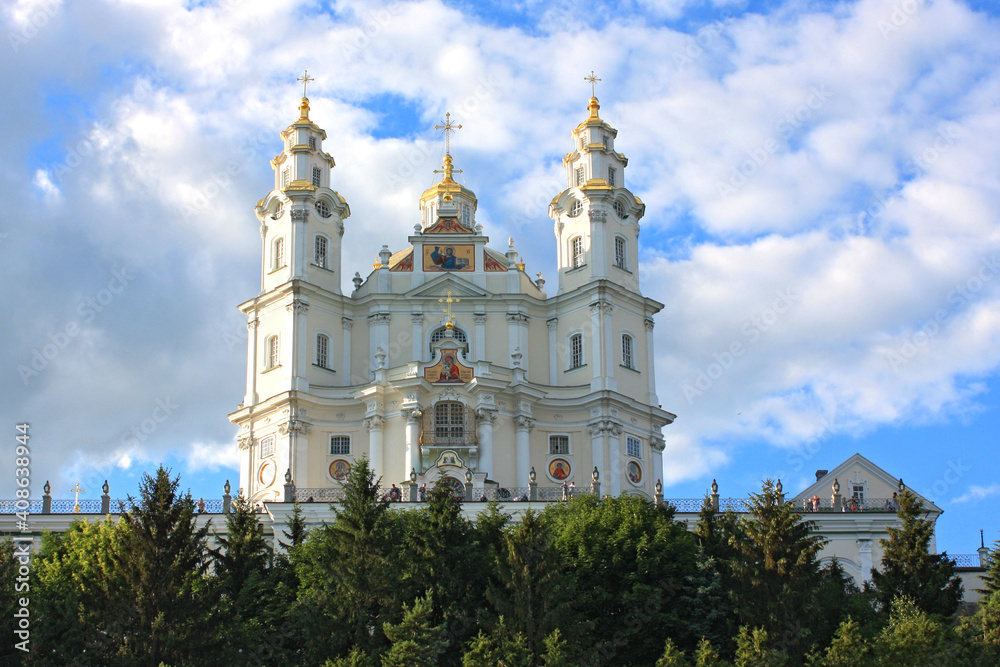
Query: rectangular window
(859, 492)
(628, 360)
(466, 216)
(312, 143)
(619, 252)
(267, 447)
(340, 444)
(272, 352)
(611, 176)
(576, 350)
(284, 178)
(633, 446)
(322, 350)
(321, 251)
(580, 176)
(317, 172)
(604, 138)
(577, 246)
(558, 444)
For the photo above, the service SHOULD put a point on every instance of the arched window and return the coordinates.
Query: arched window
(628, 358)
(575, 209)
(620, 256)
(272, 352)
(576, 251)
(576, 350)
(440, 333)
(278, 254)
(323, 209)
(320, 255)
(449, 424)
(322, 350)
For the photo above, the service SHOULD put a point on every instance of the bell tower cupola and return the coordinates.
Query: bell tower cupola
(596, 217)
(448, 199)
(302, 218)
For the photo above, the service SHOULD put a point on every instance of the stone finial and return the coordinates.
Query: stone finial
(836, 485)
(596, 475)
(468, 476)
(47, 488)
(777, 487)
(715, 486)
(659, 487)
(902, 487)
(413, 475)
(532, 475)
(105, 488)
(288, 476)
(226, 489)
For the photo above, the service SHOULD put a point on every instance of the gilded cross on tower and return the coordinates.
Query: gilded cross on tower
(304, 80)
(77, 491)
(593, 83)
(447, 128)
(447, 311)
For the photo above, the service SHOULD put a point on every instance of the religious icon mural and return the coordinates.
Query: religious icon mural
(448, 226)
(449, 370)
(266, 473)
(634, 472)
(450, 457)
(339, 469)
(449, 257)
(560, 469)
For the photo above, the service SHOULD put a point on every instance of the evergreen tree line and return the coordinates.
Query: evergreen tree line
(589, 582)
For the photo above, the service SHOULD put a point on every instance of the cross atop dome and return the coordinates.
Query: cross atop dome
(305, 79)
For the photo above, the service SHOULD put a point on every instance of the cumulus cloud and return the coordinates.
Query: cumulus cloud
(821, 191)
(977, 493)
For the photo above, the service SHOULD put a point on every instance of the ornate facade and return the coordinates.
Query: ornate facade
(448, 364)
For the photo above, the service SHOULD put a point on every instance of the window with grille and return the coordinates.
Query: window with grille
(580, 176)
(321, 254)
(440, 334)
(449, 423)
(858, 491)
(558, 444)
(627, 357)
(340, 444)
(466, 216)
(267, 447)
(611, 176)
(312, 143)
(323, 209)
(576, 209)
(576, 350)
(604, 138)
(317, 173)
(620, 210)
(284, 178)
(279, 253)
(620, 252)
(272, 352)
(576, 252)
(633, 446)
(322, 350)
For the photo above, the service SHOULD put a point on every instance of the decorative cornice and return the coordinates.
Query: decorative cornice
(252, 324)
(412, 415)
(649, 324)
(294, 426)
(244, 442)
(597, 215)
(300, 214)
(416, 318)
(486, 415)
(479, 318)
(379, 318)
(374, 423)
(523, 423)
(601, 307)
(346, 322)
(552, 324)
(657, 443)
(298, 306)
(604, 426)
(519, 318)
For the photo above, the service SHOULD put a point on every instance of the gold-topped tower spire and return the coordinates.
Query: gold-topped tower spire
(304, 106)
(593, 107)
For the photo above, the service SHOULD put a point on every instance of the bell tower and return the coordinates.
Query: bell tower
(596, 217)
(302, 218)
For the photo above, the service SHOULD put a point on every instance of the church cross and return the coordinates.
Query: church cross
(447, 311)
(593, 83)
(76, 501)
(447, 128)
(304, 80)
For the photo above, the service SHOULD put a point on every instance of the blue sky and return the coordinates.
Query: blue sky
(838, 158)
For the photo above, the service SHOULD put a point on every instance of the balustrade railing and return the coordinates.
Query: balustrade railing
(966, 560)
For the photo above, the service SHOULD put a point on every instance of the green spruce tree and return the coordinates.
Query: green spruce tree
(706, 656)
(909, 569)
(415, 641)
(753, 649)
(672, 656)
(848, 648)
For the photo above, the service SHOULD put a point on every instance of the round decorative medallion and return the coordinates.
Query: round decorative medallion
(634, 472)
(266, 473)
(560, 469)
(339, 469)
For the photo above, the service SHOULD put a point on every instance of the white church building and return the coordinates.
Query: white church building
(448, 364)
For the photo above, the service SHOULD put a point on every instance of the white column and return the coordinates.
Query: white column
(522, 455)
(345, 363)
(656, 446)
(598, 433)
(611, 345)
(374, 425)
(596, 345)
(480, 320)
(300, 344)
(251, 396)
(517, 326)
(553, 325)
(865, 557)
(651, 363)
(598, 246)
(378, 336)
(412, 439)
(486, 417)
(298, 241)
(417, 320)
(616, 467)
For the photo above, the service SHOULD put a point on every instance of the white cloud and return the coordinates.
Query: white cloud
(211, 456)
(977, 493)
